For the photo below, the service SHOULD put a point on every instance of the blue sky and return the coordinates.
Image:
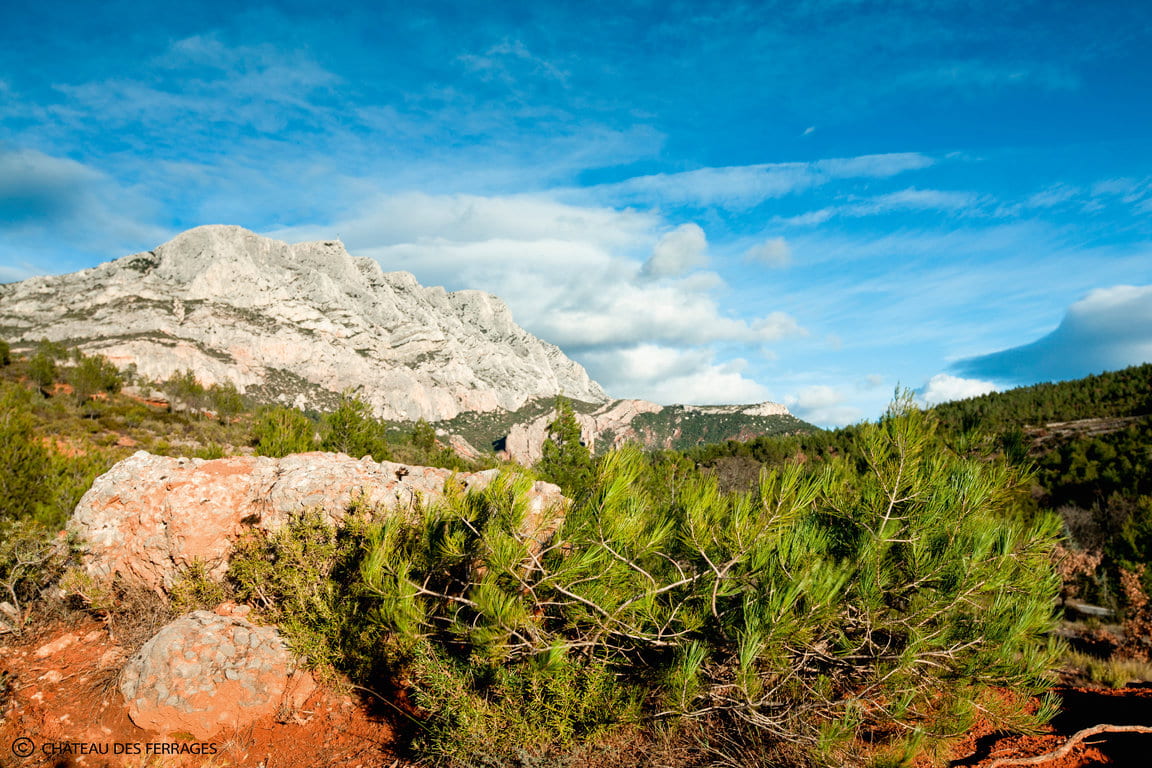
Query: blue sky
(808, 202)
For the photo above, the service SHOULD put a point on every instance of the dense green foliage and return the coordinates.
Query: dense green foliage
(1116, 393)
(25, 461)
(351, 429)
(92, 374)
(882, 596)
(43, 370)
(566, 460)
(280, 431)
(1089, 442)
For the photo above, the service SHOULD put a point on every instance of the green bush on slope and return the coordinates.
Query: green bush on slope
(878, 599)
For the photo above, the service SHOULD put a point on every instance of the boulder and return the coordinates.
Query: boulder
(150, 517)
(204, 673)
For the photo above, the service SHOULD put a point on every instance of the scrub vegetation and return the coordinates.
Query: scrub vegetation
(849, 597)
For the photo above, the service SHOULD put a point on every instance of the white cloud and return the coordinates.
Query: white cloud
(677, 252)
(773, 252)
(822, 405)
(669, 375)
(917, 200)
(1052, 196)
(944, 387)
(578, 276)
(741, 187)
(1110, 328)
(910, 199)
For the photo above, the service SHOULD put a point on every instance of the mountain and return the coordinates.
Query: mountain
(300, 324)
(296, 324)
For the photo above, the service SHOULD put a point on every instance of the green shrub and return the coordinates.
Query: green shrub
(351, 429)
(42, 370)
(519, 715)
(25, 462)
(298, 578)
(31, 558)
(225, 400)
(5, 353)
(281, 431)
(195, 590)
(879, 598)
(93, 374)
(423, 437)
(566, 461)
(69, 478)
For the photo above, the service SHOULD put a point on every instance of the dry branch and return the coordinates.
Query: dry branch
(1069, 745)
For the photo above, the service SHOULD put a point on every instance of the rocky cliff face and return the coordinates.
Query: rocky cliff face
(654, 426)
(298, 324)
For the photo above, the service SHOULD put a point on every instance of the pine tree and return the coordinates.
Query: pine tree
(351, 429)
(566, 460)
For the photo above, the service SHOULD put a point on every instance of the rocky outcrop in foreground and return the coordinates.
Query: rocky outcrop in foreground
(150, 517)
(297, 324)
(204, 673)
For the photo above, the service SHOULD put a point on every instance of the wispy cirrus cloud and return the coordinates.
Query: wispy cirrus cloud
(742, 187)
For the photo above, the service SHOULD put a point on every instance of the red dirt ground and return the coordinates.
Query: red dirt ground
(59, 690)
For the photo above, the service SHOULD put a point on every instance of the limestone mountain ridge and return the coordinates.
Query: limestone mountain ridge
(297, 324)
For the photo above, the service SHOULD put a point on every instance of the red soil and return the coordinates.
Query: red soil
(59, 690)
(1081, 708)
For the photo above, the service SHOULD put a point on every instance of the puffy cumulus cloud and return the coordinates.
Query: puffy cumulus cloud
(578, 276)
(822, 405)
(944, 387)
(773, 252)
(681, 250)
(670, 375)
(1108, 329)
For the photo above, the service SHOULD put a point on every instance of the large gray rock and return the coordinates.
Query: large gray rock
(149, 517)
(296, 323)
(203, 673)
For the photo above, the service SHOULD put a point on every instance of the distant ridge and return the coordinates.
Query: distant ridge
(297, 324)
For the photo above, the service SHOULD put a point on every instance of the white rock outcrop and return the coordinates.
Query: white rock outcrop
(150, 517)
(298, 324)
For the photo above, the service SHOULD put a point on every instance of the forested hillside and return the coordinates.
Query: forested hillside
(1087, 444)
